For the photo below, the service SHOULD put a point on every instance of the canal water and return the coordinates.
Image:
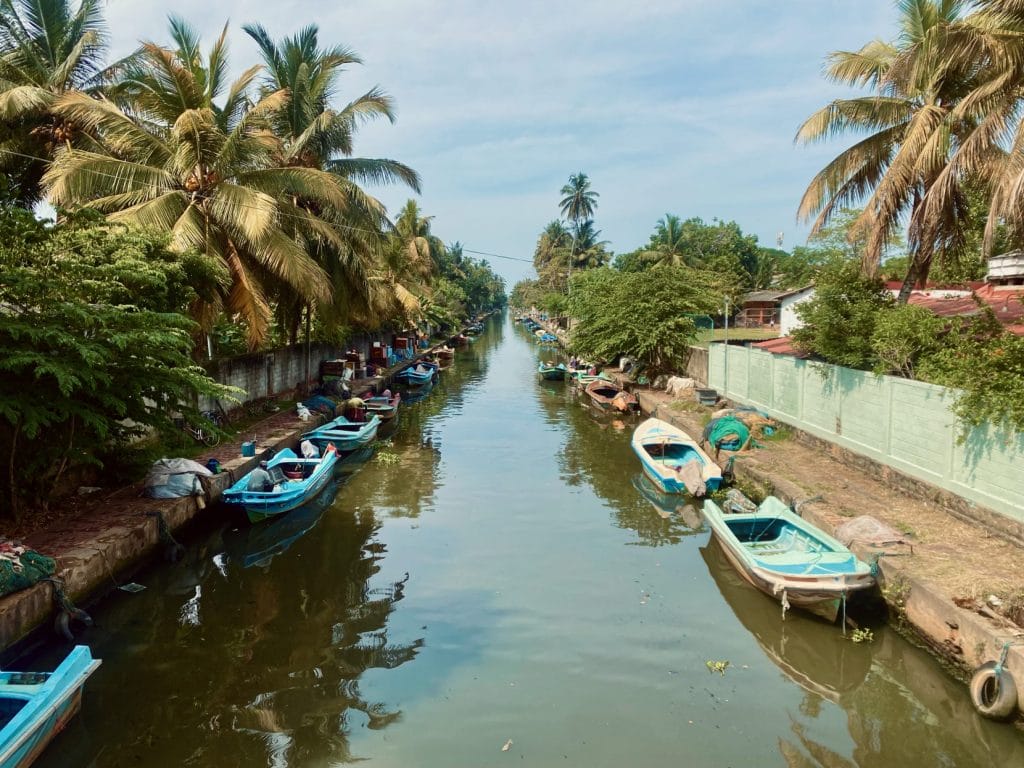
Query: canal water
(509, 583)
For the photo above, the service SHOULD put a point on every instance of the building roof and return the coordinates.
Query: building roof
(780, 346)
(773, 295)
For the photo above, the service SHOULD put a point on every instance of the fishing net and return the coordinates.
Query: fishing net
(21, 568)
(727, 432)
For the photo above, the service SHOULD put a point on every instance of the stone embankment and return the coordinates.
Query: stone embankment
(938, 584)
(120, 531)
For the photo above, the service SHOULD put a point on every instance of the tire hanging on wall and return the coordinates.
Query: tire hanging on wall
(993, 692)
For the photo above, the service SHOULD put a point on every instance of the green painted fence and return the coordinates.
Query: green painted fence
(904, 424)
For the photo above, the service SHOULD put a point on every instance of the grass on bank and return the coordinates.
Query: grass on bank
(735, 334)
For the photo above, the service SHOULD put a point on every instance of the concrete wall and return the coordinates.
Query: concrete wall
(906, 425)
(697, 364)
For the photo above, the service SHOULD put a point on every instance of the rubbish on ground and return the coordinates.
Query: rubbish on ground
(506, 746)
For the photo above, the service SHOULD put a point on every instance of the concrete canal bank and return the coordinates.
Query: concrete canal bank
(120, 531)
(937, 584)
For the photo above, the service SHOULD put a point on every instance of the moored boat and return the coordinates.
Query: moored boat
(459, 341)
(384, 406)
(296, 480)
(673, 460)
(607, 396)
(787, 558)
(345, 435)
(444, 353)
(550, 372)
(36, 706)
(417, 375)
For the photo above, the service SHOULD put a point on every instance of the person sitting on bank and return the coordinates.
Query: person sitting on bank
(260, 479)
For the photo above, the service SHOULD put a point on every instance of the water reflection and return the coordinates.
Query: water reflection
(891, 695)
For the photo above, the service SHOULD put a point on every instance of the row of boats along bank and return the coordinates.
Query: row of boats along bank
(36, 706)
(770, 546)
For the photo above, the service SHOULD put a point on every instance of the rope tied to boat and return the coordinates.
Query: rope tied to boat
(873, 565)
(173, 550)
(66, 609)
(1002, 657)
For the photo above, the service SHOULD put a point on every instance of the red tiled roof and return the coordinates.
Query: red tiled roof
(780, 346)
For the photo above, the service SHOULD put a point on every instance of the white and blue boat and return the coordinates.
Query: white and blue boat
(345, 435)
(788, 558)
(36, 706)
(550, 372)
(296, 481)
(417, 375)
(673, 460)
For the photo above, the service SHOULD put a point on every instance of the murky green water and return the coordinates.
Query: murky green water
(507, 581)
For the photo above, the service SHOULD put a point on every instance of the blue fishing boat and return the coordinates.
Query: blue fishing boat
(297, 480)
(35, 706)
(550, 372)
(673, 460)
(345, 435)
(417, 375)
(788, 558)
(547, 338)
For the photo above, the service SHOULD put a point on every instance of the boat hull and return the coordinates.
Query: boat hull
(47, 709)
(675, 448)
(817, 579)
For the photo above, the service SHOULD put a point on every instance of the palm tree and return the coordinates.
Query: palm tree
(47, 48)
(175, 157)
(912, 132)
(668, 242)
(314, 135)
(590, 251)
(578, 203)
(413, 258)
(552, 255)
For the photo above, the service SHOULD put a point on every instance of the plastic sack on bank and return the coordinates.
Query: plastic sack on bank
(175, 478)
(865, 529)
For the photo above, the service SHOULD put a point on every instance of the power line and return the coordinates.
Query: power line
(348, 227)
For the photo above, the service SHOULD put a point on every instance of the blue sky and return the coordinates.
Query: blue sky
(681, 106)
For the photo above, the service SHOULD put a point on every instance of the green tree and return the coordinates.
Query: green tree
(313, 134)
(645, 315)
(47, 48)
(97, 350)
(190, 159)
(839, 321)
(912, 129)
(579, 201)
(904, 336)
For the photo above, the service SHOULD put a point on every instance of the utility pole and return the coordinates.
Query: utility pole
(725, 373)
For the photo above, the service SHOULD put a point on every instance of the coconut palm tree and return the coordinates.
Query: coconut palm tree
(668, 243)
(590, 251)
(579, 201)
(912, 130)
(312, 134)
(47, 48)
(183, 151)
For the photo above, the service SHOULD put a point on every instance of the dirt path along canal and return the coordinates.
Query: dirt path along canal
(506, 583)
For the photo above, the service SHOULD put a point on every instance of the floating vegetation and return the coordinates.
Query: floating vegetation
(717, 666)
(864, 635)
(388, 458)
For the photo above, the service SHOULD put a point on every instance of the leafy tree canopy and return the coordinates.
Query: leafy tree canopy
(96, 348)
(643, 314)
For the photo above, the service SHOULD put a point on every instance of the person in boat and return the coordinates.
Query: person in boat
(574, 363)
(309, 451)
(260, 479)
(592, 371)
(386, 393)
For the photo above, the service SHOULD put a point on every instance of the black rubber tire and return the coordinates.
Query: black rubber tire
(994, 698)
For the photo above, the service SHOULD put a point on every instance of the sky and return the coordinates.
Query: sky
(669, 106)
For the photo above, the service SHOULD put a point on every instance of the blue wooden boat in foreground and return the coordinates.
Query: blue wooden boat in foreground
(787, 558)
(296, 481)
(345, 435)
(35, 706)
(673, 460)
(550, 372)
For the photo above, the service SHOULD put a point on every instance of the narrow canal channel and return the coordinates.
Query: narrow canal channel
(506, 582)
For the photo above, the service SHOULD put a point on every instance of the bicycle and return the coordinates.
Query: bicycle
(207, 435)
